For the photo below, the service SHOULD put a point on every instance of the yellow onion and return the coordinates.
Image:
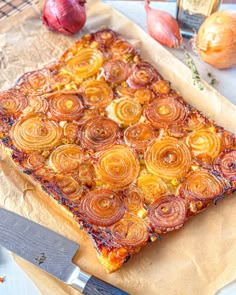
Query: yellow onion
(68, 186)
(216, 39)
(226, 164)
(102, 207)
(117, 166)
(71, 130)
(143, 95)
(133, 199)
(161, 87)
(12, 102)
(130, 231)
(168, 158)
(34, 132)
(66, 158)
(125, 92)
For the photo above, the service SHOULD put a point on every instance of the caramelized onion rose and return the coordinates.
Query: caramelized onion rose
(117, 166)
(166, 111)
(168, 158)
(99, 133)
(133, 199)
(131, 231)
(12, 103)
(115, 71)
(66, 158)
(105, 37)
(86, 63)
(226, 164)
(143, 95)
(69, 187)
(121, 49)
(102, 207)
(202, 185)
(167, 213)
(65, 106)
(96, 94)
(34, 161)
(35, 133)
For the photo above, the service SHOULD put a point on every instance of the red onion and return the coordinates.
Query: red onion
(64, 16)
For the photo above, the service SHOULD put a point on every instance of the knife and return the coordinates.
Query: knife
(50, 252)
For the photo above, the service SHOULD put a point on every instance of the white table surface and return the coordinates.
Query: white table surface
(17, 283)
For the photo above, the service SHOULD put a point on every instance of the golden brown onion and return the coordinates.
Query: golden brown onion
(204, 142)
(105, 37)
(65, 106)
(115, 71)
(161, 87)
(131, 231)
(37, 104)
(143, 95)
(99, 133)
(71, 130)
(59, 80)
(102, 207)
(133, 199)
(152, 186)
(12, 103)
(168, 158)
(125, 92)
(139, 136)
(85, 64)
(66, 158)
(117, 166)
(167, 213)
(122, 49)
(226, 164)
(35, 133)
(202, 185)
(96, 94)
(196, 120)
(68, 186)
(166, 111)
(34, 161)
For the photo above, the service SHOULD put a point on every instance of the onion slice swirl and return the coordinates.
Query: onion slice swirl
(102, 207)
(166, 111)
(65, 106)
(115, 71)
(12, 103)
(105, 37)
(86, 63)
(97, 94)
(122, 49)
(117, 166)
(66, 158)
(167, 213)
(99, 133)
(226, 164)
(168, 158)
(133, 198)
(68, 186)
(35, 133)
(202, 185)
(131, 231)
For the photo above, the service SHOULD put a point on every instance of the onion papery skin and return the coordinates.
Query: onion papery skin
(133, 198)
(167, 213)
(139, 136)
(226, 164)
(35, 133)
(12, 103)
(66, 158)
(126, 111)
(152, 186)
(118, 166)
(105, 37)
(166, 111)
(97, 94)
(202, 185)
(142, 75)
(85, 64)
(99, 133)
(115, 71)
(131, 231)
(168, 158)
(102, 207)
(204, 142)
(67, 186)
(122, 49)
(65, 106)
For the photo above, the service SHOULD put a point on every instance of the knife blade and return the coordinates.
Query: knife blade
(49, 251)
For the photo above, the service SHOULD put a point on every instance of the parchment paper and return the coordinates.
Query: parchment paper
(200, 258)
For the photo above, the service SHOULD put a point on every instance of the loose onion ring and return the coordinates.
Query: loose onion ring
(115, 71)
(86, 63)
(166, 111)
(204, 142)
(168, 158)
(126, 111)
(117, 166)
(99, 133)
(139, 136)
(68, 186)
(102, 207)
(35, 132)
(202, 185)
(131, 231)
(226, 164)
(142, 75)
(66, 158)
(96, 94)
(65, 106)
(152, 186)
(12, 103)
(133, 199)
(167, 213)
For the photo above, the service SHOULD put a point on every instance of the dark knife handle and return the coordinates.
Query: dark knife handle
(96, 286)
